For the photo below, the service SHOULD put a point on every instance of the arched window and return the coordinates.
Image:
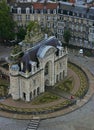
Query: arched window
(27, 10)
(47, 68)
(19, 10)
(24, 96)
(60, 76)
(30, 95)
(34, 92)
(57, 78)
(38, 91)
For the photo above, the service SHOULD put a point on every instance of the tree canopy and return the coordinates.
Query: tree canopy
(67, 36)
(34, 33)
(6, 22)
(21, 33)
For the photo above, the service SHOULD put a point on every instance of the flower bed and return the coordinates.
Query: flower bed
(3, 91)
(3, 87)
(66, 85)
(83, 80)
(46, 97)
(36, 111)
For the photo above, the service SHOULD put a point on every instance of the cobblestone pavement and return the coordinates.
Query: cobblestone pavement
(81, 119)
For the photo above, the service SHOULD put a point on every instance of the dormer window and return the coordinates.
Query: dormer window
(19, 10)
(54, 11)
(11, 8)
(27, 11)
(41, 11)
(78, 14)
(21, 66)
(35, 11)
(61, 11)
(48, 11)
(33, 66)
(82, 15)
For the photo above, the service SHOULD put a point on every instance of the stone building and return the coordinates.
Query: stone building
(79, 20)
(44, 13)
(43, 65)
(59, 17)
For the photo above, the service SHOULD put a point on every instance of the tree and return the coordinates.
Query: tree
(21, 33)
(6, 23)
(47, 31)
(67, 36)
(34, 33)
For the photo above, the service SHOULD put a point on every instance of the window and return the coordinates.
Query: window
(48, 17)
(19, 17)
(48, 25)
(34, 68)
(41, 11)
(60, 64)
(55, 18)
(47, 69)
(35, 11)
(21, 66)
(57, 78)
(38, 91)
(34, 93)
(19, 10)
(30, 95)
(27, 10)
(24, 96)
(27, 17)
(34, 82)
(54, 11)
(48, 11)
(60, 76)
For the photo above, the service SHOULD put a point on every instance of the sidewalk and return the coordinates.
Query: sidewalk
(61, 112)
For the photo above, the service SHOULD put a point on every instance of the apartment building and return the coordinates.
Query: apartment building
(79, 20)
(58, 17)
(44, 13)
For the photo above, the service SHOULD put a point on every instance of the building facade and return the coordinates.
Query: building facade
(44, 13)
(43, 65)
(80, 21)
(58, 17)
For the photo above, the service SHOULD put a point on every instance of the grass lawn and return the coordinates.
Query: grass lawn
(3, 87)
(66, 85)
(46, 97)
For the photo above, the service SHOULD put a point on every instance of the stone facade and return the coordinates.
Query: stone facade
(43, 65)
(58, 17)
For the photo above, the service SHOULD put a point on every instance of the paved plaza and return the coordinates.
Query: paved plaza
(80, 119)
(4, 51)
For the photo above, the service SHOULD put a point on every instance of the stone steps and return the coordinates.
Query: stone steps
(33, 125)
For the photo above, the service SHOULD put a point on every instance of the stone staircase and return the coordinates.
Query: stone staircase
(33, 125)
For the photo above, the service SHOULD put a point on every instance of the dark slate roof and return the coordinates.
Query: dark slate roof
(33, 6)
(87, 12)
(31, 55)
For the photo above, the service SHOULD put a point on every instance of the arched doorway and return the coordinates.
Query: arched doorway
(34, 93)
(24, 96)
(31, 95)
(38, 91)
(46, 69)
(63, 74)
(48, 73)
